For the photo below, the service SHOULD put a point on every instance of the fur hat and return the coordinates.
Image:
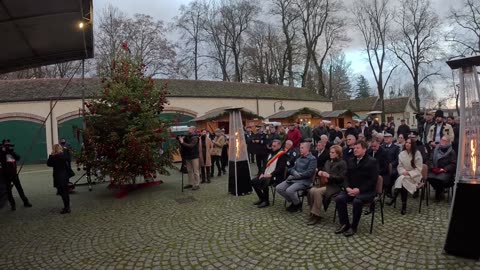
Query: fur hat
(439, 113)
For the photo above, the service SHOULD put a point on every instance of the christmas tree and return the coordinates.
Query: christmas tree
(124, 135)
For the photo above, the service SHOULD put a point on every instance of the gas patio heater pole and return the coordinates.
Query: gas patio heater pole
(463, 237)
(238, 165)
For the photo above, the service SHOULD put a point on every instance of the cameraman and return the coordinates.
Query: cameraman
(191, 153)
(67, 151)
(8, 159)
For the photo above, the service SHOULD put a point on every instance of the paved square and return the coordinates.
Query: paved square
(162, 228)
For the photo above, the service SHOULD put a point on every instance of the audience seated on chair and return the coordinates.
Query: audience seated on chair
(410, 164)
(272, 173)
(360, 188)
(442, 167)
(300, 177)
(331, 178)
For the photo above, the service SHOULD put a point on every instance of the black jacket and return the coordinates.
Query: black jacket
(259, 143)
(382, 160)
(404, 130)
(348, 153)
(392, 153)
(60, 174)
(351, 131)
(322, 158)
(366, 132)
(7, 168)
(280, 169)
(189, 148)
(363, 176)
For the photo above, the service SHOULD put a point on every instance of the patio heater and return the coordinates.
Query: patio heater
(238, 166)
(463, 237)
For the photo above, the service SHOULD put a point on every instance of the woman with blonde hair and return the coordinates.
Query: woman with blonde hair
(58, 160)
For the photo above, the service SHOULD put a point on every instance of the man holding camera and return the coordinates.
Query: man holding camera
(8, 159)
(191, 153)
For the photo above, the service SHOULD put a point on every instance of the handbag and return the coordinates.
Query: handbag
(435, 173)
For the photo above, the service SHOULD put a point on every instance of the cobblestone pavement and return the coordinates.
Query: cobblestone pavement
(162, 228)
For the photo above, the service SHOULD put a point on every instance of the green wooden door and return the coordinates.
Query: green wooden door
(25, 134)
(68, 130)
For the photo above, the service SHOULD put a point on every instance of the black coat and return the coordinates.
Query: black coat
(382, 160)
(392, 153)
(348, 153)
(280, 169)
(363, 176)
(189, 148)
(259, 144)
(404, 130)
(7, 169)
(59, 163)
(322, 158)
(351, 131)
(366, 132)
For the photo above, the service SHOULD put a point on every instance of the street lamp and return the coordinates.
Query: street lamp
(281, 108)
(463, 235)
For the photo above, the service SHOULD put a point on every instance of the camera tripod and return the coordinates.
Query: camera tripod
(89, 182)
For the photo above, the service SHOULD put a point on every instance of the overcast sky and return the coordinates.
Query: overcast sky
(165, 10)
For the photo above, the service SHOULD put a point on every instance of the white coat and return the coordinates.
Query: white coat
(411, 181)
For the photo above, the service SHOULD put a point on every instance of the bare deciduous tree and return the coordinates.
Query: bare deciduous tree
(190, 23)
(373, 19)
(416, 42)
(237, 16)
(466, 31)
(145, 38)
(286, 9)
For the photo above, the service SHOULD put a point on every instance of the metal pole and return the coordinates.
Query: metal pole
(83, 93)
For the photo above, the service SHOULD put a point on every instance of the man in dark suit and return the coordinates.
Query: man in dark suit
(272, 173)
(392, 151)
(403, 129)
(321, 154)
(378, 153)
(363, 129)
(351, 130)
(360, 188)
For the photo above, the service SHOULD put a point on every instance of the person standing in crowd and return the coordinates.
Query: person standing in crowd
(360, 188)
(294, 135)
(306, 131)
(351, 130)
(375, 127)
(259, 147)
(205, 160)
(456, 132)
(331, 177)
(363, 129)
(59, 161)
(438, 130)
(217, 145)
(224, 157)
(319, 131)
(189, 145)
(426, 128)
(282, 135)
(410, 173)
(248, 140)
(8, 160)
(272, 173)
(403, 129)
(300, 177)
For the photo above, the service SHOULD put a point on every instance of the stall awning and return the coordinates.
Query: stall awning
(37, 33)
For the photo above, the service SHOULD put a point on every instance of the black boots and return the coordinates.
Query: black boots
(394, 197)
(404, 208)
